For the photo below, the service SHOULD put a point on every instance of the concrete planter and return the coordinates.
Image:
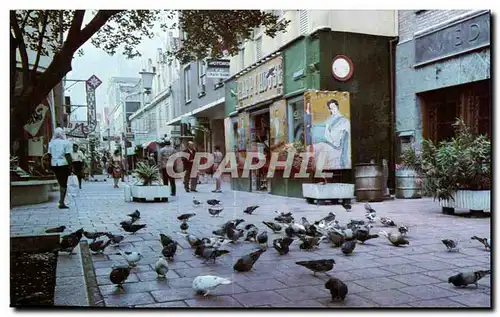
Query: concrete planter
(328, 191)
(28, 192)
(468, 199)
(149, 193)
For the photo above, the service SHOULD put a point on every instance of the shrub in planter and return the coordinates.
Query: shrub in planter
(409, 180)
(147, 174)
(460, 164)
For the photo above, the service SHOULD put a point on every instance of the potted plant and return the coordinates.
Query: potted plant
(458, 171)
(408, 174)
(148, 185)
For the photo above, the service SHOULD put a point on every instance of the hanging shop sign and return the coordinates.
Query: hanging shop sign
(218, 68)
(36, 120)
(467, 34)
(328, 127)
(260, 84)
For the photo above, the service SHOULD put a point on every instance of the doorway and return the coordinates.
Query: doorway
(260, 134)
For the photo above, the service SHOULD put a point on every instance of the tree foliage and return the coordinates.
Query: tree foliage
(208, 33)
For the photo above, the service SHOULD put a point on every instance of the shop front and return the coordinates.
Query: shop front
(256, 94)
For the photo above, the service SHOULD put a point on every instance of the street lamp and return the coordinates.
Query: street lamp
(147, 81)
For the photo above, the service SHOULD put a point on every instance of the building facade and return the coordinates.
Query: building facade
(443, 71)
(281, 89)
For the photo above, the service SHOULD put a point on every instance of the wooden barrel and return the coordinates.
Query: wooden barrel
(369, 179)
(408, 184)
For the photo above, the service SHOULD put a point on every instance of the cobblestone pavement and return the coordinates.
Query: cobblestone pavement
(377, 274)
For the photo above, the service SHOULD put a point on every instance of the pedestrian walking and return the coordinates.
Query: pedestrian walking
(188, 167)
(165, 165)
(116, 166)
(151, 159)
(217, 161)
(60, 161)
(78, 159)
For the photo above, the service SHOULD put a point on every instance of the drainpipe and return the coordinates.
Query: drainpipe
(392, 44)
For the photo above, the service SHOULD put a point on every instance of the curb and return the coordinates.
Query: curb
(95, 298)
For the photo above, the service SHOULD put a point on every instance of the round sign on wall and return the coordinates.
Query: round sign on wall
(342, 68)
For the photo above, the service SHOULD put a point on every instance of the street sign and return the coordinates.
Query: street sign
(94, 81)
(218, 68)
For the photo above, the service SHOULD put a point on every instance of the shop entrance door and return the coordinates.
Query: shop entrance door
(259, 137)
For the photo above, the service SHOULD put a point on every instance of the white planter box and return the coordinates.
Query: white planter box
(127, 191)
(150, 192)
(469, 199)
(328, 191)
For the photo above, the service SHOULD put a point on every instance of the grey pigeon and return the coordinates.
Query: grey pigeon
(348, 246)
(169, 250)
(450, 244)
(464, 279)
(282, 245)
(262, 237)
(273, 226)
(484, 241)
(250, 210)
(246, 263)
(321, 266)
(119, 275)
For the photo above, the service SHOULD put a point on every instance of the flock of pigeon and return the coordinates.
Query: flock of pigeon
(309, 235)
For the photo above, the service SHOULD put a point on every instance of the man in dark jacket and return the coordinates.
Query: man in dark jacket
(188, 166)
(163, 160)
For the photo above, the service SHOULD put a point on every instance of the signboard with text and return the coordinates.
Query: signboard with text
(218, 68)
(262, 83)
(456, 38)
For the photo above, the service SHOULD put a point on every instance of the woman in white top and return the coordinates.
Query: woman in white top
(77, 158)
(217, 161)
(60, 161)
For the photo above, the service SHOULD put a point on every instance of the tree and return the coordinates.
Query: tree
(62, 33)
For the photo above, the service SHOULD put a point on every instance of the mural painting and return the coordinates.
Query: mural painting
(278, 124)
(328, 128)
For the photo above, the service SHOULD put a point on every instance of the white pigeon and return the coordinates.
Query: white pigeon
(206, 283)
(296, 227)
(131, 257)
(161, 267)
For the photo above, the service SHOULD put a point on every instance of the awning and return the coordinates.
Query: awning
(177, 121)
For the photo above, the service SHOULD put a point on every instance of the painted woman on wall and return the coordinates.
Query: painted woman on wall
(335, 148)
(308, 124)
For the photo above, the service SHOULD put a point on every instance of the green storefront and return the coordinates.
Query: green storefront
(356, 67)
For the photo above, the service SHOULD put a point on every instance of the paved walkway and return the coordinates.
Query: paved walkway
(377, 274)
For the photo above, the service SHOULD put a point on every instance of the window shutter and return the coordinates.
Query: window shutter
(303, 22)
(258, 48)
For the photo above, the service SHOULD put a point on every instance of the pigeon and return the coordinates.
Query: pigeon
(215, 212)
(135, 215)
(213, 202)
(219, 232)
(251, 236)
(250, 210)
(56, 230)
(204, 284)
(364, 235)
(166, 240)
(346, 206)
(388, 222)
(184, 226)
(321, 266)
(250, 226)
(169, 250)
(70, 241)
(119, 275)
(403, 230)
(484, 241)
(464, 279)
(214, 242)
(262, 237)
(210, 253)
(115, 239)
(193, 240)
(295, 229)
(305, 223)
(337, 288)
(370, 218)
(284, 219)
(450, 244)
(309, 243)
(99, 246)
(329, 218)
(93, 235)
(282, 245)
(128, 222)
(336, 238)
(132, 257)
(273, 226)
(234, 234)
(185, 217)
(161, 267)
(245, 263)
(395, 238)
(348, 246)
(133, 228)
(369, 208)
(196, 202)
